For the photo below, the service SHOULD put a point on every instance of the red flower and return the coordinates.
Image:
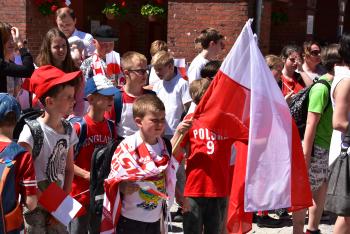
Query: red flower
(123, 3)
(54, 8)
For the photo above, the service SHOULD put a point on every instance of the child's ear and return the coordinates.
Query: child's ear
(138, 121)
(48, 101)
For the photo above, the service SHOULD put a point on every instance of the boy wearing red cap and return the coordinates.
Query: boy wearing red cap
(50, 139)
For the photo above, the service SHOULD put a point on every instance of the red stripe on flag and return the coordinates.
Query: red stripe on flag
(52, 197)
(301, 192)
(224, 108)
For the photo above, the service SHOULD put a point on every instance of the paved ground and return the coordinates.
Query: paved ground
(326, 227)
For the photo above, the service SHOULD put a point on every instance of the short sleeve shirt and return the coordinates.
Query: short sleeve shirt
(174, 94)
(50, 164)
(319, 102)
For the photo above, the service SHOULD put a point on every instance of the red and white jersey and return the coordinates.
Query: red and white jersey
(97, 135)
(208, 164)
(126, 126)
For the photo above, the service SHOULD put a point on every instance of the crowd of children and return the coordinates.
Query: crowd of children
(88, 96)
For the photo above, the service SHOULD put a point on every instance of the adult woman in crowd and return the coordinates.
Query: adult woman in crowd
(9, 39)
(340, 94)
(312, 60)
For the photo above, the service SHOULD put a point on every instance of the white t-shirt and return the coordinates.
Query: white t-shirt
(50, 164)
(87, 40)
(127, 125)
(340, 73)
(153, 78)
(174, 94)
(320, 70)
(194, 71)
(140, 205)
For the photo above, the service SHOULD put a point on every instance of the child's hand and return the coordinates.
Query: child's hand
(184, 126)
(288, 97)
(128, 188)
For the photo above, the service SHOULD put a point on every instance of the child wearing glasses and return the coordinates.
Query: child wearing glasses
(135, 69)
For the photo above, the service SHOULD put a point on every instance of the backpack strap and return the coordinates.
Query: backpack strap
(168, 145)
(67, 127)
(82, 135)
(118, 106)
(11, 151)
(11, 212)
(111, 127)
(38, 136)
(324, 82)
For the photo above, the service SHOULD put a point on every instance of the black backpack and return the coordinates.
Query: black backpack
(29, 117)
(299, 106)
(100, 168)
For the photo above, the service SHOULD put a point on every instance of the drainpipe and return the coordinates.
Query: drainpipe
(259, 6)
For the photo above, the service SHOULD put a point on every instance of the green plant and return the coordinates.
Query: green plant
(149, 9)
(118, 8)
(48, 7)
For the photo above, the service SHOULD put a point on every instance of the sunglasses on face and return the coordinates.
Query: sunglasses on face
(315, 52)
(139, 71)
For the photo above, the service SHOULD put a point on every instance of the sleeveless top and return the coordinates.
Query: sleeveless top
(340, 73)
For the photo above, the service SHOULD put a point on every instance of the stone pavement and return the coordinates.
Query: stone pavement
(326, 227)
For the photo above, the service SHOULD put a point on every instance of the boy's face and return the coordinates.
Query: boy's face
(151, 125)
(165, 72)
(137, 73)
(103, 47)
(64, 102)
(66, 25)
(101, 102)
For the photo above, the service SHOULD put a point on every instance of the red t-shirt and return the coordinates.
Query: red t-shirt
(208, 164)
(296, 84)
(97, 134)
(24, 173)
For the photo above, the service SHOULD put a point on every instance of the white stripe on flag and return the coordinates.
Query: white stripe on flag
(66, 211)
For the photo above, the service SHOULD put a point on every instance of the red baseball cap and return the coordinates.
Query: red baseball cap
(45, 77)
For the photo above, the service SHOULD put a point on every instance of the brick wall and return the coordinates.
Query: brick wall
(14, 12)
(291, 30)
(187, 18)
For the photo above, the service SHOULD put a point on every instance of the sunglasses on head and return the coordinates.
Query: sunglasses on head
(315, 52)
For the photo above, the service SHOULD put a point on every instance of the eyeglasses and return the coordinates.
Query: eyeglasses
(139, 71)
(315, 52)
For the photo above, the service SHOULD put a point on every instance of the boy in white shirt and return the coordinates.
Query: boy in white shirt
(142, 173)
(172, 89)
(50, 140)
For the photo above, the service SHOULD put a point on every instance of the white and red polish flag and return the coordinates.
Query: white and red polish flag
(60, 204)
(245, 103)
(180, 63)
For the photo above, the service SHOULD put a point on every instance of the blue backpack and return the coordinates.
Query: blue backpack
(83, 132)
(11, 219)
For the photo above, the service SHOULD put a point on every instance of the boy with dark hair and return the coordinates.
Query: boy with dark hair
(210, 69)
(50, 139)
(143, 171)
(98, 131)
(14, 160)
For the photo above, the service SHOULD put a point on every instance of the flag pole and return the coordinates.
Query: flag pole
(178, 141)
